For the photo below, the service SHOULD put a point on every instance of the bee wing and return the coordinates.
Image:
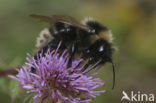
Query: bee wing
(44, 18)
(65, 17)
(55, 19)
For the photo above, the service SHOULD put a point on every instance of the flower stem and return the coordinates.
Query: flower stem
(4, 73)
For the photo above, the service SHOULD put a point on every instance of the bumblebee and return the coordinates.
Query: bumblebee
(89, 39)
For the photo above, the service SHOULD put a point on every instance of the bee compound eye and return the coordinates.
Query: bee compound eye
(101, 48)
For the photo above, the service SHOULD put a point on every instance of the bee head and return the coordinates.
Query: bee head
(100, 50)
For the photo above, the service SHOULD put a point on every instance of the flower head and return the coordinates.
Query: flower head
(53, 82)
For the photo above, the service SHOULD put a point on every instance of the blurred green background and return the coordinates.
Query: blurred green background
(133, 23)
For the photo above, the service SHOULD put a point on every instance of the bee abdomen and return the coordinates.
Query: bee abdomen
(44, 38)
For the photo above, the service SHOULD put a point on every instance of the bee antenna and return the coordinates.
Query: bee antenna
(113, 67)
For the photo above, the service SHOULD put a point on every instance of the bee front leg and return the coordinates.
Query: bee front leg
(72, 50)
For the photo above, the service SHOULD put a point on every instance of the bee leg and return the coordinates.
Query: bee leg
(113, 67)
(92, 67)
(72, 50)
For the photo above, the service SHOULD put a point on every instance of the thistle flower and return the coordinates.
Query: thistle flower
(53, 82)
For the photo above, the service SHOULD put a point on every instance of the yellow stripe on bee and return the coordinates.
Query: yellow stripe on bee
(106, 35)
